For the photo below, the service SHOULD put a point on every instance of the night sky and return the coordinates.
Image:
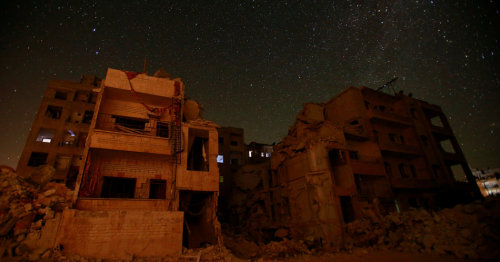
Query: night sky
(253, 63)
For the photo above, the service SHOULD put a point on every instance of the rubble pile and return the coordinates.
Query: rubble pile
(466, 231)
(28, 211)
(210, 253)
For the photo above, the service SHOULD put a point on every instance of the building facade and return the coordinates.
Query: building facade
(59, 131)
(150, 180)
(358, 155)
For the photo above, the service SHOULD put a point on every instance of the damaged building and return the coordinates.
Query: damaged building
(59, 131)
(145, 176)
(360, 154)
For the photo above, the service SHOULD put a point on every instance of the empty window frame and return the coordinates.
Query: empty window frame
(198, 150)
(129, 124)
(45, 135)
(118, 187)
(87, 117)
(157, 189)
(53, 112)
(353, 155)
(162, 129)
(61, 95)
(38, 159)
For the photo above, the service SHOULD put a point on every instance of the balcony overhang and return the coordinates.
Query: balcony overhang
(130, 142)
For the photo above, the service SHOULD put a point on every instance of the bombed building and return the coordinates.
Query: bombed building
(362, 153)
(59, 131)
(146, 178)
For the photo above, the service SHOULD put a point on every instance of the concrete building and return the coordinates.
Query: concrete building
(231, 156)
(150, 180)
(59, 131)
(488, 181)
(360, 154)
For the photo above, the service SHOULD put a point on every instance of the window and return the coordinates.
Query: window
(234, 161)
(82, 96)
(69, 138)
(63, 162)
(131, 123)
(162, 129)
(54, 112)
(250, 153)
(37, 159)
(157, 189)
(220, 159)
(221, 140)
(234, 143)
(402, 139)
(402, 170)
(447, 146)
(118, 187)
(61, 95)
(87, 117)
(413, 112)
(45, 135)
(353, 155)
(436, 121)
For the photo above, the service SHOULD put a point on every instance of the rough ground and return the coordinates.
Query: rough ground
(464, 233)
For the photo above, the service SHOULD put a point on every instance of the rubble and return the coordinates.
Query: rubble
(467, 231)
(28, 213)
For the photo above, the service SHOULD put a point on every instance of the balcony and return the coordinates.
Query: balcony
(389, 117)
(389, 146)
(135, 135)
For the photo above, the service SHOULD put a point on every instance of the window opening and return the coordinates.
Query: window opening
(54, 112)
(87, 117)
(118, 187)
(234, 143)
(128, 124)
(413, 171)
(162, 129)
(353, 155)
(157, 189)
(45, 135)
(38, 159)
(61, 95)
(347, 209)
(198, 150)
(402, 170)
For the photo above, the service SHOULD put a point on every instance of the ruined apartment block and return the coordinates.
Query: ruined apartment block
(59, 131)
(360, 154)
(150, 181)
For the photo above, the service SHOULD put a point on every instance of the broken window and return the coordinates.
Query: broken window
(54, 112)
(128, 124)
(118, 187)
(69, 138)
(45, 135)
(87, 117)
(157, 189)
(402, 170)
(198, 150)
(162, 130)
(38, 159)
(61, 95)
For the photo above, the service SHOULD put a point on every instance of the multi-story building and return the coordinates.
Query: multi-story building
(150, 180)
(57, 136)
(488, 181)
(359, 154)
(258, 152)
(231, 157)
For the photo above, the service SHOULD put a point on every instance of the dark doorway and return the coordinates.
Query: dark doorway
(118, 187)
(198, 227)
(347, 209)
(157, 189)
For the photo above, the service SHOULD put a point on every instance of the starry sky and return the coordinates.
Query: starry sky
(253, 63)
